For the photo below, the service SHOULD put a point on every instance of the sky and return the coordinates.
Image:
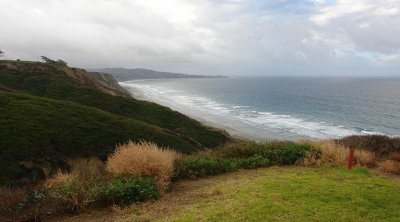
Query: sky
(228, 37)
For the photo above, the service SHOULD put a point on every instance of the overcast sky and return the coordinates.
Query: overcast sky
(230, 37)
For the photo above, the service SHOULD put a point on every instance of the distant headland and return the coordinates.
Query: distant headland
(122, 74)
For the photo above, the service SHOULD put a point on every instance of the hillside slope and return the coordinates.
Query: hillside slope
(50, 112)
(55, 82)
(39, 129)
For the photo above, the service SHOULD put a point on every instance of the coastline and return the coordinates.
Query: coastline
(234, 128)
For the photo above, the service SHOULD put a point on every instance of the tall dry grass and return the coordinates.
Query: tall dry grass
(73, 191)
(143, 159)
(395, 156)
(331, 153)
(59, 179)
(390, 166)
(86, 167)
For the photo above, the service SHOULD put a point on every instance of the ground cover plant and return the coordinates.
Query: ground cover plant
(245, 155)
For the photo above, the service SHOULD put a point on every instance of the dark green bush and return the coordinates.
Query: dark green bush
(125, 192)
(253, 162)
(203, 166)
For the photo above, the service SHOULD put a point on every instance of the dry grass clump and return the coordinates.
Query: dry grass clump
(395, 156)
(59, 179)
(381, 145)
(86, 167)
(72, 192)
(143, 159)
(336, 154)
(390, 166)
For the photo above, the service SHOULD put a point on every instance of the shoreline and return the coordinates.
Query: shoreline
(211, 121)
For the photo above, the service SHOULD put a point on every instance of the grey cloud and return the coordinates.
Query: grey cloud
(207, 37)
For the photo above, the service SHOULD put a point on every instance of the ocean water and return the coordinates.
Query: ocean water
(283, 107)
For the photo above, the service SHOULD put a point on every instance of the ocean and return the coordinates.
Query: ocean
(285, 108)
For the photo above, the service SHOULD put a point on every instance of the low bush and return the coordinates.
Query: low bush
(124, 192)
(253, 162)
(144, 159)
(246, 155)
(277, 153)
(192, 167)
(381, 145)
(331, 153)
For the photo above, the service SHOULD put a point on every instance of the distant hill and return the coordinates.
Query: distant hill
(130, 74)
(50, 113)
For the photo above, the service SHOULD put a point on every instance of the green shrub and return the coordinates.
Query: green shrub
(277, 153)
(192, 167)
(239, 150)
(125, 192)
(247, 155)
(253, 162)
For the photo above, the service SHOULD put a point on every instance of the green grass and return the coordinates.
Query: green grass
(34, 128)
(298, 194)
(47, 80)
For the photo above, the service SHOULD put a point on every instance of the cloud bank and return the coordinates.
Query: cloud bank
(235, 37)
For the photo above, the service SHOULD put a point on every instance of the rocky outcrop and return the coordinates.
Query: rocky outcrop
(102, 81)
(109, 83)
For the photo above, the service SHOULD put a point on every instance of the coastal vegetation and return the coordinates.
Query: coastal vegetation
(137, 172)
(70, 145)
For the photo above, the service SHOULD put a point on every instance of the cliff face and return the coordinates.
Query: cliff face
(108, 84)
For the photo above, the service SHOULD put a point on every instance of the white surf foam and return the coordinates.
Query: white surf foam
(254, 122)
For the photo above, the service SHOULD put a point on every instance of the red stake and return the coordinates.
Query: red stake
(351, 156)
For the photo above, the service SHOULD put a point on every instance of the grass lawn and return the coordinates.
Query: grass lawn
(296, 194)
(271, 194)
